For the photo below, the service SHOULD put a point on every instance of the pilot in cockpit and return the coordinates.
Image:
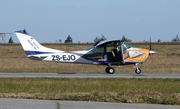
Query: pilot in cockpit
(116, 51)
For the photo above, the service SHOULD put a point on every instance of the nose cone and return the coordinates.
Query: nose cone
(151, 52)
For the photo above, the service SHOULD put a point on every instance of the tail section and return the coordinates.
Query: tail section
(31, 46)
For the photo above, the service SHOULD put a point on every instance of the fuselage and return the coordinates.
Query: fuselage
(91, 56)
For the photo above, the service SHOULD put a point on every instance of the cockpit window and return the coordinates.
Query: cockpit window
(126, 46)
(99, 50)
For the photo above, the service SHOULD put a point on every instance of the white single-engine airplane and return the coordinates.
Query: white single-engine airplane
(112, 52)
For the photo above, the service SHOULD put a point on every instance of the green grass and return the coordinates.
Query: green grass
(156, 91)
(77, 85)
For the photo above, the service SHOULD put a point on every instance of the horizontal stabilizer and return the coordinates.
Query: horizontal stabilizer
(37, 56)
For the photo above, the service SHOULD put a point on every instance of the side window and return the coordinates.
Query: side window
(109, 49)
(99, 50)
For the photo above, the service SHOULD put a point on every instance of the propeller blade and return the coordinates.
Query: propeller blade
(150, 43)
(151, 52)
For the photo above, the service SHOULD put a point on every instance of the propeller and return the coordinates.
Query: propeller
(150, 43)
(151, 52)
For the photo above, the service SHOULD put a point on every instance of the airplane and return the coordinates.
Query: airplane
(109, 53)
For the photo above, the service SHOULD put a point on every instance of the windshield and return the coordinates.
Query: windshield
(126, 46)
(90, 48)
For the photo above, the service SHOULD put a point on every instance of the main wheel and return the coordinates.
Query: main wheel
(110, 70)
(107, 70)
(138, 71)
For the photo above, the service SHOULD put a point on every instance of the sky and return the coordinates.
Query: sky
(49, 21)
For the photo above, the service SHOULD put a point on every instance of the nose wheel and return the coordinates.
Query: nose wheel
(110, 70)
(138, 70)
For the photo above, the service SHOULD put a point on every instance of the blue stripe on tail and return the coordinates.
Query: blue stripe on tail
(23, 31)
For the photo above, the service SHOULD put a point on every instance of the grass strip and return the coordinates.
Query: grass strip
(133, 90)
(91, 85)
(14, 59)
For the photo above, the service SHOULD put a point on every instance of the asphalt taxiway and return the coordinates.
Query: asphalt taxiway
(7, 103)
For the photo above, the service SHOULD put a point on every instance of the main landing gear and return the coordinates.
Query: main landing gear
(111, 70)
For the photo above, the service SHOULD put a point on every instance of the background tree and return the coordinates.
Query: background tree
(159, 40)
(59, 40)
(11, 40)
(68, 40)
(126, 39)
(102, 38)
(176, 39)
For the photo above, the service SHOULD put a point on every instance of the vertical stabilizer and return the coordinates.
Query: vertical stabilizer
(30, 45)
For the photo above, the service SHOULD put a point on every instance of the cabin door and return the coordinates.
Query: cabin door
(115, 54)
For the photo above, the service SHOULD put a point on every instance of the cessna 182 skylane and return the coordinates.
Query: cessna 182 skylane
(110, 53)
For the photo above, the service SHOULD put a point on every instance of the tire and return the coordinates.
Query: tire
(111, 70)
(138, 71)
(107, 70)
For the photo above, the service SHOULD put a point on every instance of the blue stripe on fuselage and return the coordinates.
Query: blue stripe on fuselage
(37, 52)
(114, 63)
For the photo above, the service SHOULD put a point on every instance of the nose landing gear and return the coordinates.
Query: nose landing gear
(138, 70)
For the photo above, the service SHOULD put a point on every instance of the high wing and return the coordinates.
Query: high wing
(108, 43)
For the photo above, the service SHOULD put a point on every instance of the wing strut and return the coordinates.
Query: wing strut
(122, 54)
